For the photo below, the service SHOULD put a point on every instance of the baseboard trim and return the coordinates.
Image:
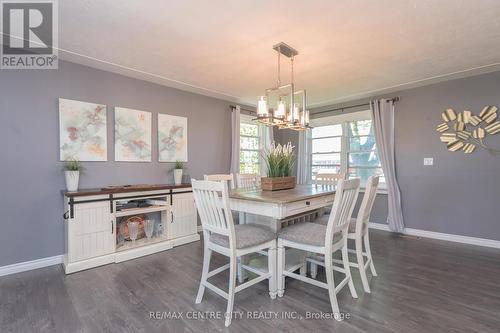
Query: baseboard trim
(442, 236)
(30, 265)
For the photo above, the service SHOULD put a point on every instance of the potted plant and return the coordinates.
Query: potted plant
(279, 161)
(72, 171)
(178, 169)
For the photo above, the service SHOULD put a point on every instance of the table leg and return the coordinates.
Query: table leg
(240, 272)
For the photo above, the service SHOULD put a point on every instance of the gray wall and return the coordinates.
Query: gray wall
(460, 193)
(30, 172)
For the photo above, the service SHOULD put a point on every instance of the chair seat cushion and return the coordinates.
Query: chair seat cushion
(307, 233)
(247, 235)
(324, 221)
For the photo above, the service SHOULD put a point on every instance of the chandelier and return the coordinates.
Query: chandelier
(282, 106)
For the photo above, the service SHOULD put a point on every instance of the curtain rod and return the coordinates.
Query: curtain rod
(394, 100)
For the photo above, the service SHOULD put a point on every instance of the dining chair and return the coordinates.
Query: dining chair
(358, 231)
(328, 178)
(248, 181)
(323, 240)
(222, 177)
(221, 235)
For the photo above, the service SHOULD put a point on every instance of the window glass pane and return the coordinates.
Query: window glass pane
(360, 127)
(362, 143)
(326, 145)
(364, 159)
(249, 129)
(249, 168)
(364, 173)
(249, 161)
(249, 143)
(326, 159)
(331, 130)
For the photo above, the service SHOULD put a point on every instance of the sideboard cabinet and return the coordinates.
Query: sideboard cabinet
(93, 219)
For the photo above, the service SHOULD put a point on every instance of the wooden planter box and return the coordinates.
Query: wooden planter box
(277, 183)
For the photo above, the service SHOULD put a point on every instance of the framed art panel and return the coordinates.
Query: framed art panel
(172, 138)
(132, 135)
(82, 131)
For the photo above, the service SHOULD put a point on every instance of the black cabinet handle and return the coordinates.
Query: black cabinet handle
(172, 216)
(308, 203)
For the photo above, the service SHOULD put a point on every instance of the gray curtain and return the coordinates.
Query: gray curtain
(304, 158)
(235, 140)
(266, 141)
(383, 124)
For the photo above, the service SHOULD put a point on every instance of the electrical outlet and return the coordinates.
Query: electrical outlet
(428, 161)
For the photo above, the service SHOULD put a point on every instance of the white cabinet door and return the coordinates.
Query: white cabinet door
(91, 232)
(183, 216)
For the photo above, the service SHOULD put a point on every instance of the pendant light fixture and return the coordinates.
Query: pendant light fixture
(282, 105)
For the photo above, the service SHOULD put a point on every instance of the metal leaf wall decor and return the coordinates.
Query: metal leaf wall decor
(465, 131)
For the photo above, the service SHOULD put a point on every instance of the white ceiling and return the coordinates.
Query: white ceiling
(348, 49)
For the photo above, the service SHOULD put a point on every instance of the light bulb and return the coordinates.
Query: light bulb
(296, 113)
(262, 110)
(281, 111)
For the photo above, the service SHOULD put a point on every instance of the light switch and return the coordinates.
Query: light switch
(428, 161)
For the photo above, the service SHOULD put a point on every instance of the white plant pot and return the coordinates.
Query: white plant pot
(72, 178)
(178, 176)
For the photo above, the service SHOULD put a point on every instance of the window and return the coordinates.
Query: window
(249, 146)
(345, 144)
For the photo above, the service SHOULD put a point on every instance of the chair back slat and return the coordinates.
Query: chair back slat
(343, 206)
(328, 178)
(367, 204)
(212, 202)
(248, 181)
(222, 177)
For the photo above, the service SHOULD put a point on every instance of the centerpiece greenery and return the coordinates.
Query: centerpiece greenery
(279, 161)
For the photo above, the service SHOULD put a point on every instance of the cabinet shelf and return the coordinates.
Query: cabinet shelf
(129, 245)
(143, 210)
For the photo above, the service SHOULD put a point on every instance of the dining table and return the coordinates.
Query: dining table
(274, 207)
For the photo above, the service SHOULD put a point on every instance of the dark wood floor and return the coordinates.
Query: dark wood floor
(423, 286)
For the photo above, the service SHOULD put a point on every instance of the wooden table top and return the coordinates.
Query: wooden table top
(300, 192)
(124, 189)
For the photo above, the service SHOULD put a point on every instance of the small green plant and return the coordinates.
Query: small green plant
(280, 160)
(179, 165)
(73, 165)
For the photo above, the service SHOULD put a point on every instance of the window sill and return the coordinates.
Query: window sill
(379, 191)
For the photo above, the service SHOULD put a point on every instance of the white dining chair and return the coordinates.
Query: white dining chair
(222, 177)
(358, 231)
(248, 181)
(323, 240)
(328, 178)
(221, 235)
(324, 178)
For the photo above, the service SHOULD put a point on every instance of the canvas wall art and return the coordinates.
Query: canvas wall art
(82, 131)
(172, 138)
(132, 135)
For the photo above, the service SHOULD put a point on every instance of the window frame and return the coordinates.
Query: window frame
(245, 119)
(344, 120)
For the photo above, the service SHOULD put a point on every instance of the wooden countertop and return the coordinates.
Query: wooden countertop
(124, 189)
(300, 192)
